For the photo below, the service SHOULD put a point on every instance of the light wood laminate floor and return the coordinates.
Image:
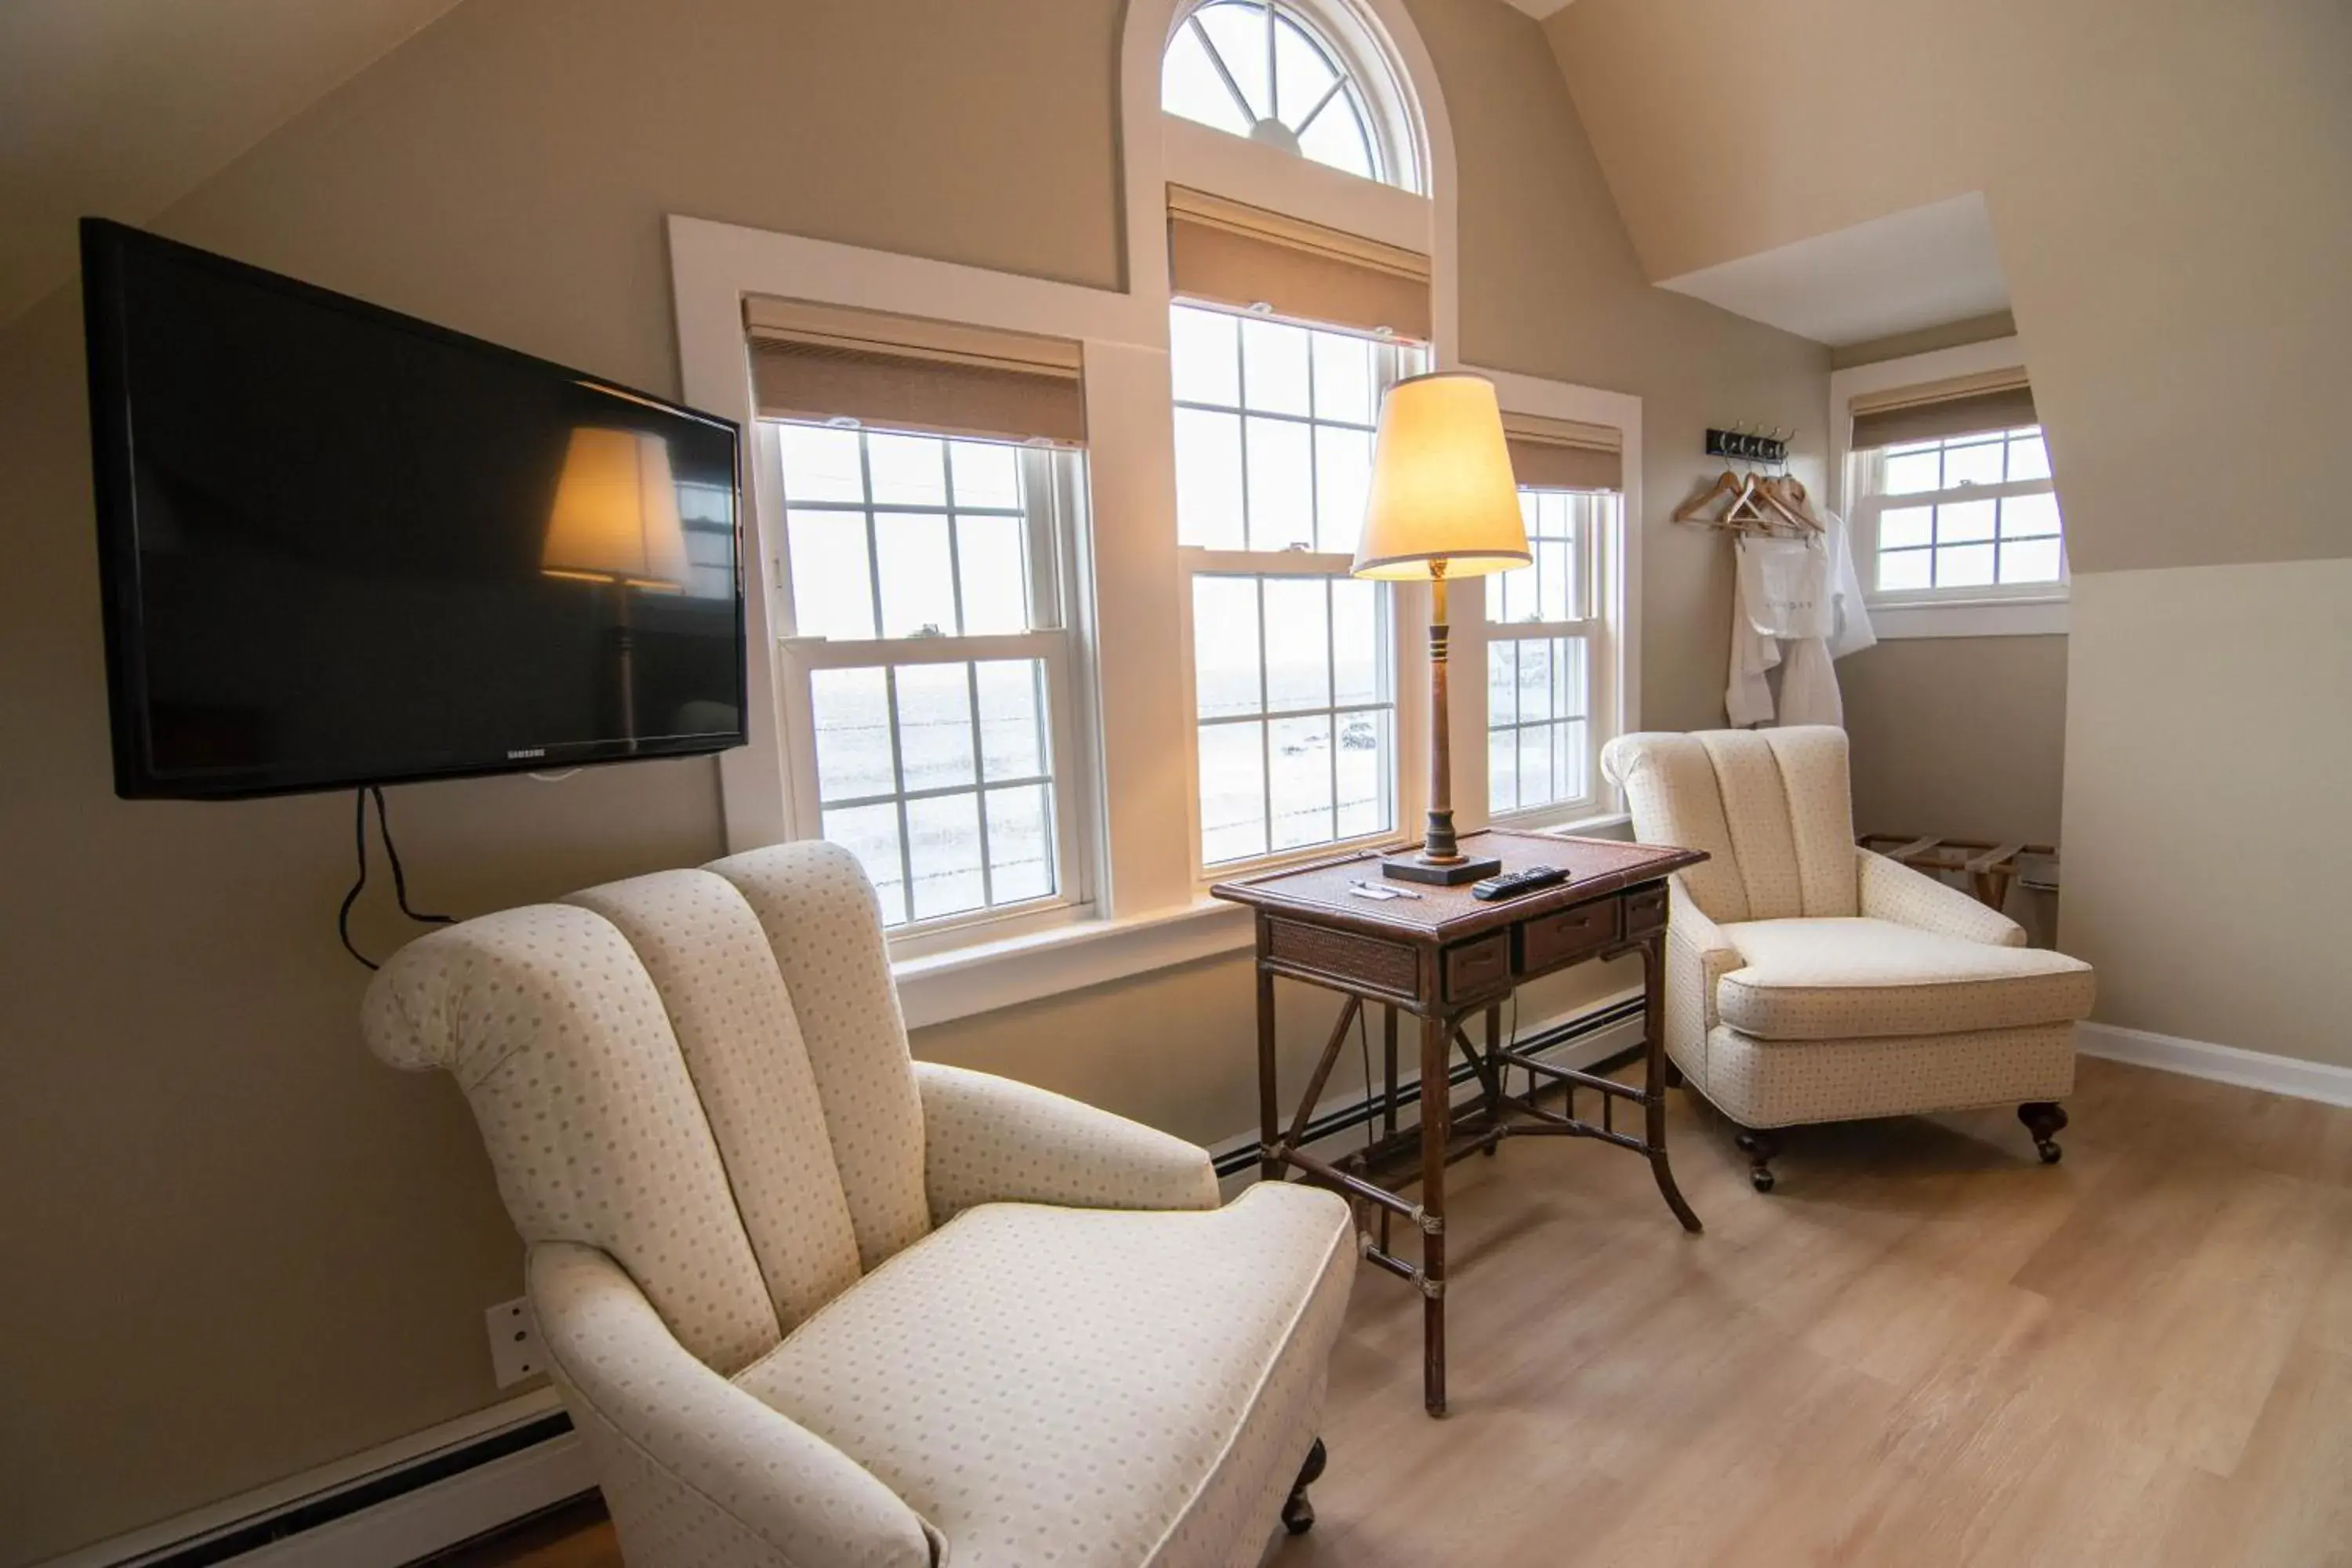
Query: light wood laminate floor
(1922, 1349)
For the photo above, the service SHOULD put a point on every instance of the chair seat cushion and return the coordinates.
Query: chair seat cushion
(1081, 1386)
(1837, 979)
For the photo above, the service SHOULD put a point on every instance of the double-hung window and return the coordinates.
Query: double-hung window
(1953, 498)
(1971, 515)
(1293, 660)
(1550, 652)
(931, 671)
(1540, 657)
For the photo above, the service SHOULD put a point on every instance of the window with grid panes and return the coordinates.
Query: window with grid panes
(930, 670)
(1293, 660)
(1968, 516)
(1267, 72)
(1539, 733)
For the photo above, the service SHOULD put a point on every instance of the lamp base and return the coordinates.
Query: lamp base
(1445, 874)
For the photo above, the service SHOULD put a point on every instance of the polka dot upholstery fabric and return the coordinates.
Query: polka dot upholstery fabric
(696, 1091)
(1814, 779)
(735, 1026)
(1827, 980)
(552, 1025)
(990, 1139)
(825, 927)
(1068, 1388)
(1782, 1083)
(1893, 892)
(1697, 958)
(1808, 981)
(1756, 808)
(1669, 785)
(697, 1473)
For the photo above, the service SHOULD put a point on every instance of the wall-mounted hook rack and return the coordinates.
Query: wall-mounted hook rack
(1747, 448)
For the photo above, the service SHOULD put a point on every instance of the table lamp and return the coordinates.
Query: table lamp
(616, 521)
(1442, 505)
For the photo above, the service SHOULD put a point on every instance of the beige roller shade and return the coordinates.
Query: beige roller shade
(825, 362)
(1938, 411)
(1234, 254)
(1563, 455)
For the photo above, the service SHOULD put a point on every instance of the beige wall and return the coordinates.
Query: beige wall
(2206, 854)
(237, 1247)
(1964, 736)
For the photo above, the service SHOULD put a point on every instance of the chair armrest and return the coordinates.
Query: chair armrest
(991, 1140)
(1697, 955)
(1893, 892)
(688, 1459)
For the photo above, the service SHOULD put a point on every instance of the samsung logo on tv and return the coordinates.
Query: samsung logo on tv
(520, 752)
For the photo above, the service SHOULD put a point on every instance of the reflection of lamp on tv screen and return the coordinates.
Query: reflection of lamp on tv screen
(350, 547)
(616, 522)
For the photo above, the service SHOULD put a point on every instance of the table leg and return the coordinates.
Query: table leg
(1492, 1079)
(1436, 1131)
(1389, 1070)
(1270, 1111)
(1653, 1080)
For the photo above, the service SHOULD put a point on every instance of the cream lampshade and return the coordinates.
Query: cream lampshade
(1444, 504)
(615, 516)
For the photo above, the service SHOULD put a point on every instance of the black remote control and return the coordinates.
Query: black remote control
(1511, 884)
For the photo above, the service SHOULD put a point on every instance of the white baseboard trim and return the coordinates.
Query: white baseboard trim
(434, 1515)
(2322, 1081)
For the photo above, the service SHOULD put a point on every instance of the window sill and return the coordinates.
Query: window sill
(1898, 618)
(984, 976)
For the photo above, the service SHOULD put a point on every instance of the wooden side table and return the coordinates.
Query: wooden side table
(1444, 957)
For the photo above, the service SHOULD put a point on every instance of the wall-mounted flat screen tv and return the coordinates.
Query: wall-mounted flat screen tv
(342, 546)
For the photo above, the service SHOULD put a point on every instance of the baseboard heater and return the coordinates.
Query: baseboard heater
(1241, 1157)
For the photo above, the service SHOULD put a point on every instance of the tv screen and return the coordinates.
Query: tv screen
(342, 546)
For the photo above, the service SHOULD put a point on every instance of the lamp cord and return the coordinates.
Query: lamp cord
(391, 854)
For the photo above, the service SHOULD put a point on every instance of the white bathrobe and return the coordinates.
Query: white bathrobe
(1805, 593)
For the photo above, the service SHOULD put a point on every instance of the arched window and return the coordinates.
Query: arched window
(1268, 70)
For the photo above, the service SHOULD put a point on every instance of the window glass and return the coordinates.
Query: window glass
(937, 770)
(1262, 70)
(1974, 512)
(1291, 670)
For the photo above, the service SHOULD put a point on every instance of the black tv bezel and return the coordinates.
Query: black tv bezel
(104, 246)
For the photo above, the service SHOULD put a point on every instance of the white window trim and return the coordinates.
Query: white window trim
(2040, 610)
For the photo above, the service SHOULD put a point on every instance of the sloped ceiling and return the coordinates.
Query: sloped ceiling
(1924, 267)
(2169, 189)
(119, 108)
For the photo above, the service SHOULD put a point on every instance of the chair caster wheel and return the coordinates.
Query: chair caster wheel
(1298, 1513)
(2044, 1121)
(1760, 1147)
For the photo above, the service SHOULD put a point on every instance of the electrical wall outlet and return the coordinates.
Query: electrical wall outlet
(514, 1351)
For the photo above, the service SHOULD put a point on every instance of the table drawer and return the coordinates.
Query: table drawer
(1479, 968)
(1548, 941)
(1344, 956)
(1645, 910)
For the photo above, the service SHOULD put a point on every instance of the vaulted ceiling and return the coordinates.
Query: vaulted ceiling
(119, 108)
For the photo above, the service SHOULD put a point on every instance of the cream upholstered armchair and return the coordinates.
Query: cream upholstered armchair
(1811, 980)
(813, 1304)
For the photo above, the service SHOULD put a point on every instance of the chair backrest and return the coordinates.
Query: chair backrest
(1771, 808)
(703, 1073)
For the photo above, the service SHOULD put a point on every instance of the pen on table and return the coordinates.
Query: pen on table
(1382, 887)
